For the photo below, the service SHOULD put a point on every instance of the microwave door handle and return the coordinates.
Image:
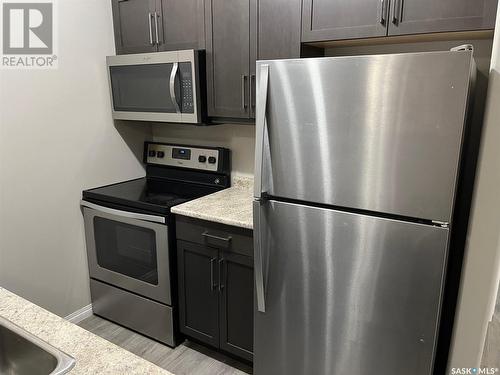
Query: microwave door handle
(126, 214)
(173, 74)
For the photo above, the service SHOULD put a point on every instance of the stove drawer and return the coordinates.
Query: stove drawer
(148, 317)
(207, 233)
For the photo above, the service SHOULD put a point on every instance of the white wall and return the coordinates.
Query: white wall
(482, 262)
(57, 138)
(240, 139)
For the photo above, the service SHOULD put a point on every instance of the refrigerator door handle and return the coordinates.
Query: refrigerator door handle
(258, 258)
(260, 124)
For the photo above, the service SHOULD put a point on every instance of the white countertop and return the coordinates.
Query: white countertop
(93, 354)
(231, 206)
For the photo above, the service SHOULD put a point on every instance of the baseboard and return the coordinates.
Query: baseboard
(79, 315)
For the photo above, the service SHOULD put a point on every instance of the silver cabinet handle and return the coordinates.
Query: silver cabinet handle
(397, 16)
(150, 29)
(212, 264)
(394, 12)
(258, 259)
(222, 281)
(243, 92)
(157, 29)
(173, 98)
(260, 124)
(383, 11)
(129, 215)
(218, 238)
(252, 93)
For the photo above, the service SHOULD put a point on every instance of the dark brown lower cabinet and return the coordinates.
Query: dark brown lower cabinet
(198, 292)
(236, 305)
(216, 297)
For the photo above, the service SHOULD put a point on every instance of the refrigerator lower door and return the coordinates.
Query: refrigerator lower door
(345, 293)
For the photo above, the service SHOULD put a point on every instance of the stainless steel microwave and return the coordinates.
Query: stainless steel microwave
(160, 86)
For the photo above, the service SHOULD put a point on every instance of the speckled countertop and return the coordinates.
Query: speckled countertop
(231, 206)
(93, 354)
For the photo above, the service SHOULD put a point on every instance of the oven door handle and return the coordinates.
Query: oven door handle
(129, 215)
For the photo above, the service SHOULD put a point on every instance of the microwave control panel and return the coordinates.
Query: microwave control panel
(207, 159)
(186, 81)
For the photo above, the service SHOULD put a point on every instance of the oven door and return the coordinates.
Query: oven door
(128, 250)
(155, 87)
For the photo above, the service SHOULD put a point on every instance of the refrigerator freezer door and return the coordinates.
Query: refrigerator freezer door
(380, 133)
(346, 293)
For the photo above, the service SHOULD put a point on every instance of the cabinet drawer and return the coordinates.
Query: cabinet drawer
(224, 237)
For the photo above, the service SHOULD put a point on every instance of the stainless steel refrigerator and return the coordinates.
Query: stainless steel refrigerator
(357, 166)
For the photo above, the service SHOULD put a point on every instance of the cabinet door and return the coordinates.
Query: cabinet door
(198, 294)
(133, 26)
(279, 29)
(253, 54)
(427, 16)
(274, 34)
(183, 25)
(236, 304)
(341, 19)
(228, 60)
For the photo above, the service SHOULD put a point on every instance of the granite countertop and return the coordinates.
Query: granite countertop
(232, 206)
(93, 354)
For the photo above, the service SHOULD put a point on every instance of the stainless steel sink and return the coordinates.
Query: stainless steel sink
(21, 353)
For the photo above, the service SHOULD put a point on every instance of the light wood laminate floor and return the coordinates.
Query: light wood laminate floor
(491, 351)
(188, 358)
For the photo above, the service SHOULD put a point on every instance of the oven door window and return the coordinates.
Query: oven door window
(126, 249)
(143, 88)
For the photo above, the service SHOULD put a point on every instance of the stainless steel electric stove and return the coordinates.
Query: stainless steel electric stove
(130, 235)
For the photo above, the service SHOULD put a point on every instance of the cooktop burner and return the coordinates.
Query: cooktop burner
(174, 174)
(149, 194)
(161, 199)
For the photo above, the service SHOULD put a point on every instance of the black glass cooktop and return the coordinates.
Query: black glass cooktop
(149, 194)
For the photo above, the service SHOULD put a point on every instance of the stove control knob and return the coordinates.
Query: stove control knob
(152, 153)
(160, 154)
(212, 159)
(202, 159)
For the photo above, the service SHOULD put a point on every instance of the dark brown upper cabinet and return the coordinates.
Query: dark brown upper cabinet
(183, 24)
(158, 25)
(238, 33)
(325, 20)
(428, 16)
(279, 28)
(343, 19)
(133, 26)
(228, 58)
